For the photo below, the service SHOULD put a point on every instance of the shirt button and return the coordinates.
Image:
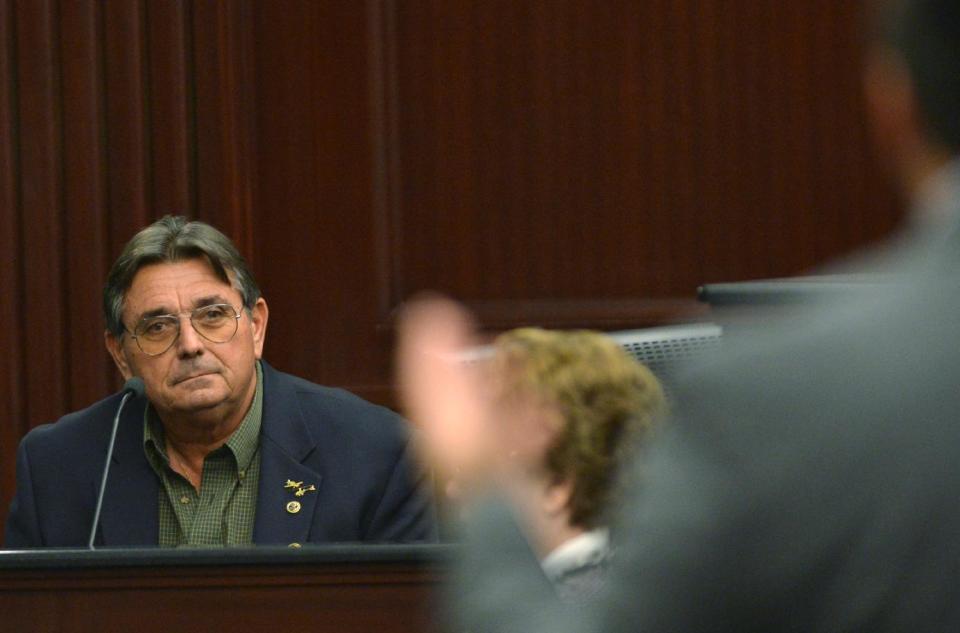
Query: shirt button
(184, 499)
(242, 474)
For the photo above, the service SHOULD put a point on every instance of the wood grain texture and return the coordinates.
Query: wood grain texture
(223, 91)
(85, 218)
(171, 123)
(125, 101)
(296, 594)
(46, 379)
(637, 149)
(12, 406)
(316, 254)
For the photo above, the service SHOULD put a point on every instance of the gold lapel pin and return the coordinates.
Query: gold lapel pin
(298, 488)
(302, 491)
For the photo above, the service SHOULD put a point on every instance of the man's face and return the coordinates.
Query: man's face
(195, 377)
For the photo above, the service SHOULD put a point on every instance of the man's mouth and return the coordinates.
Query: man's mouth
(192, 376)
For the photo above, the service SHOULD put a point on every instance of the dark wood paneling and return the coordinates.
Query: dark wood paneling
(637, 149)
(385, 158)
(323, 590)
(315, 237)
(14, 420)
(603, 314)
(85, 219)
(125, 102)
(46, 379)
(171, 124)
(224, 89)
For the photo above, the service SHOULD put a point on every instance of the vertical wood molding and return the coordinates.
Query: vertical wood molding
(41, 171)
(13, 422)
(85, 219)
(171, 123)
(317, 194)
(224, 85)
(125, 100)
(387, 225)
(244, 146)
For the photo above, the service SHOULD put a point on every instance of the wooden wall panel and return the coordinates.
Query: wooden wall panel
(224, 89)
(46, 380)
(125, 101)
(170, 107)
(13, 419)
(638, 149)
(571, 163)
(84, 218)
(315, 235)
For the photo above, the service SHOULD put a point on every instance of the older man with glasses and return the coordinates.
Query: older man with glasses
(222, 449)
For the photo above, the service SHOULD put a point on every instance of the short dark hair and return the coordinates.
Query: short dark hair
(926, 36)
(175, 239)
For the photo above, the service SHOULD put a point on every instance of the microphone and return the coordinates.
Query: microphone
(133, 387)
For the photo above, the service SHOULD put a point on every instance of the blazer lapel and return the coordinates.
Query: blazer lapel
(285, 442)
(129, 516)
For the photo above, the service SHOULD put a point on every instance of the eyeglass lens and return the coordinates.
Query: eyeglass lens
(217, 323)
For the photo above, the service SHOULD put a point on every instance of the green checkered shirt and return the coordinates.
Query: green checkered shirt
(222, 513)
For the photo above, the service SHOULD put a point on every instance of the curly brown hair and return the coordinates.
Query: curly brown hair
(607, 400)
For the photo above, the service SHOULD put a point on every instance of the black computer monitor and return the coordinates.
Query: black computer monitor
(786, 291)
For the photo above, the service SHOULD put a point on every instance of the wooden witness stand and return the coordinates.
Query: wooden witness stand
(341, 588)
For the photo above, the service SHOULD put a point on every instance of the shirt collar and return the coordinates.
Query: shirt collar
(246, 439)
(581, 550)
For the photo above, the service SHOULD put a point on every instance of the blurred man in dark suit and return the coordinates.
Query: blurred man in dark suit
(811, 477)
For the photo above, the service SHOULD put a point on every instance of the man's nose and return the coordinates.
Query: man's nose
(189, 343)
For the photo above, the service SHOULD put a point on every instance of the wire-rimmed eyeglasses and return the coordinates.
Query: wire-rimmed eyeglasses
(217, 323)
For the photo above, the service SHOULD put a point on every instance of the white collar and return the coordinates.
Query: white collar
(580, 550)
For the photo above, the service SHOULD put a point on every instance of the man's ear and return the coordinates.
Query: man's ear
(556, 497)
(259, 314)
(115, 347)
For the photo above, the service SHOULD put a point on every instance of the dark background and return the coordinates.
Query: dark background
(568, 163)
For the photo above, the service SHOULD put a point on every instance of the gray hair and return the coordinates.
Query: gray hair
(175, 239)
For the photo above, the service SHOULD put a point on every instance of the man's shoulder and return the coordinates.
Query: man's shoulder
(826, 339)
(335, 409)
(74, 430)
(848, 371)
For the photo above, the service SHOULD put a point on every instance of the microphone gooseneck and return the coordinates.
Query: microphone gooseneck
(132, 388)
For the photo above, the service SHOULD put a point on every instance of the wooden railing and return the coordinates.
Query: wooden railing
(342, 588)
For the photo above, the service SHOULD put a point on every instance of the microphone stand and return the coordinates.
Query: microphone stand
(133, 387)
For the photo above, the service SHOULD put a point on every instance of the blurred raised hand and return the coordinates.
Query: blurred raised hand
(470, 435)
(442, 395)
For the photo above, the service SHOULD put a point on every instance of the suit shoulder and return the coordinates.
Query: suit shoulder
(75, 427)
(821, 338)
(335, 409)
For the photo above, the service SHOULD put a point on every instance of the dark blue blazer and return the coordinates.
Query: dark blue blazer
(354, 452)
